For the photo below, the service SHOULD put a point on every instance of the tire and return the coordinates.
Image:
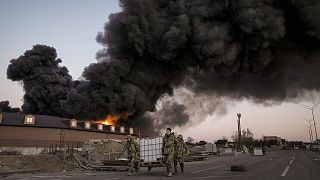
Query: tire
(238, 168)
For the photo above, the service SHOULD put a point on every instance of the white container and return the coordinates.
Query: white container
(151, 149)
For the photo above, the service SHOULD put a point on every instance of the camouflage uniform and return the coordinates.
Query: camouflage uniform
(181, 151)
(132, 149)
(168, 151)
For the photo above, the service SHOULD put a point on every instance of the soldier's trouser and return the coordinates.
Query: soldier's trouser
(182, 167)
(169, 159)
(133, 164)
(181, 163)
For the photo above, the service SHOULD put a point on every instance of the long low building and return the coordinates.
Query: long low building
(21, 130)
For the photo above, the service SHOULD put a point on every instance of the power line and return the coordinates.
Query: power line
(314, 122)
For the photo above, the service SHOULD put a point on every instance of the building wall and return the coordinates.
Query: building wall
(11, 136)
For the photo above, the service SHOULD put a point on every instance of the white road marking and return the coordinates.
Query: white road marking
(316, 159)
(208, 169)
(285, 171)
(293, 156)
(291, 161)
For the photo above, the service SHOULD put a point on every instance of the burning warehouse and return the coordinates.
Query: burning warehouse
(41, 131)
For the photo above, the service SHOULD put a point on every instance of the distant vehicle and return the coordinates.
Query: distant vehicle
(211, 148)
(257, 151)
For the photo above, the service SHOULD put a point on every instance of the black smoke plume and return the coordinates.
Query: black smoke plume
(263, 50)
(44, 81)
(5, 107)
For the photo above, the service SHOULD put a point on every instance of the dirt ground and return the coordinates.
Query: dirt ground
(42, 163)
(109, 150)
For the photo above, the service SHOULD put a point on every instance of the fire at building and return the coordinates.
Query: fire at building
(41, 132)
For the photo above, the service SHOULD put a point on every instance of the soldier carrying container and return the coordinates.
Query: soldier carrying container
(132, 149)
(181, 151)
(168, 150)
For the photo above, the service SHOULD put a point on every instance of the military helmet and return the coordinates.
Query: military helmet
(180, 136)
(129, 136)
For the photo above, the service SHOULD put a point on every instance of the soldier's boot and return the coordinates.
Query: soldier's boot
(182, 167)
(130, 173)
(169, 174)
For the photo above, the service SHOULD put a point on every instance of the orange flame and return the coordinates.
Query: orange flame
(112, 119)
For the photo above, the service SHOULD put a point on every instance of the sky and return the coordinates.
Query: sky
(71, 27)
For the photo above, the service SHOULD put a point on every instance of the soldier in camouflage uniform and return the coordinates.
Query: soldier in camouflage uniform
(132, 149)
(181, 151)
(168, 147)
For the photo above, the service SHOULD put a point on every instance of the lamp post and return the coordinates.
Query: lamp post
(239, 132)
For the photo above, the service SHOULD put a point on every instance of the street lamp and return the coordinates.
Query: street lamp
(239, 132)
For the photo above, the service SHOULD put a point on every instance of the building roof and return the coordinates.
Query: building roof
(44, 121)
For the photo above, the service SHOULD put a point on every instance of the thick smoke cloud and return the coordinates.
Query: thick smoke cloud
(44, 81)
(4, 107)
(263, 50)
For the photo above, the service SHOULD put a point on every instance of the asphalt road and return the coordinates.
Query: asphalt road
(275, 165)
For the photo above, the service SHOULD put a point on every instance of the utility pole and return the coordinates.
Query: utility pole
(239, 132)
(61, 135)
(314, 122)
(310, 132)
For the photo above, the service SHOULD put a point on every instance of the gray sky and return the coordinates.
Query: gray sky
(71, 26)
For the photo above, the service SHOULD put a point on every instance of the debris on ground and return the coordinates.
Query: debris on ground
(41, 163)
(108, 150)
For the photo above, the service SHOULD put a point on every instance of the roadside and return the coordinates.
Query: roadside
(35, 163)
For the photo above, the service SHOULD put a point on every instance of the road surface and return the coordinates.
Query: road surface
(275, 165)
